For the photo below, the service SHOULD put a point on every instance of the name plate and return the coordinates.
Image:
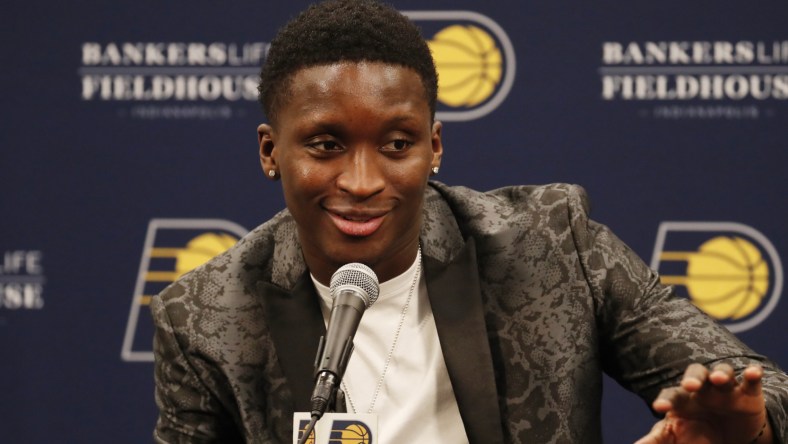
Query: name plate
(337, 428)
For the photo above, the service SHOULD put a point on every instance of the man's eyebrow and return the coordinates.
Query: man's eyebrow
(319, 127)
(403, 118)
(331, 122)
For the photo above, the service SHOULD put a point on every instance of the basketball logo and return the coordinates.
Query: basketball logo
(727, 277)
(730, 271)
(469, 65)
(172, 248)
(337, 428)
(474, 58)
(350, 432)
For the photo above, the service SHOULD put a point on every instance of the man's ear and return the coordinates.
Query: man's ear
(265, 138)
(437, 145)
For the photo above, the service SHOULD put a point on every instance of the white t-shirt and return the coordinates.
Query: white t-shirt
(415, 402)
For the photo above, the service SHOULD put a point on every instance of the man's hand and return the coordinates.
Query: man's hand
(712, 408)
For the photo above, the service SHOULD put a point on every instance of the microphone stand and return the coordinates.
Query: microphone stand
(326, 385)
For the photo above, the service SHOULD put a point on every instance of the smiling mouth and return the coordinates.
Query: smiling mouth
(355, 225)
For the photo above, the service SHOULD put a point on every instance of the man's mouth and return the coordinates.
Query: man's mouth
(357, 225)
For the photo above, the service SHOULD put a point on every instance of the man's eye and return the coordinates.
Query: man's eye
(326, 145)
(398, 145)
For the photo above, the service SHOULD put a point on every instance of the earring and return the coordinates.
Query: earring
(435, 170)
(271, 173)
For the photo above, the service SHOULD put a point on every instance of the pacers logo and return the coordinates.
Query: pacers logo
(474, 58)
(172, 248)
(337, 428)
(470, 65)
(350, 432)
(730, 271)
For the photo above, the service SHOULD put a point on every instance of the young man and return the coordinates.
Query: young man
(498, 311)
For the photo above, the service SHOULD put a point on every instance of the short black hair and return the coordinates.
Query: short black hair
(344, 30)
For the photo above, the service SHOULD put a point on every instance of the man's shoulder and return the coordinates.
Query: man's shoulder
(235, 273)
(531, 204)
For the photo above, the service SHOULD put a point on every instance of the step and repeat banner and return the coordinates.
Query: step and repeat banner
(129, 156)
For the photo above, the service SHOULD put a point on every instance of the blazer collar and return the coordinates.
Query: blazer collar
(456, 300)
(296, 325)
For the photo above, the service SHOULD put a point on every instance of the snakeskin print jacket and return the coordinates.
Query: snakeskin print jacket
(532, 302)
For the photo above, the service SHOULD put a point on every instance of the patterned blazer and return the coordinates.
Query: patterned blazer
(531, 299)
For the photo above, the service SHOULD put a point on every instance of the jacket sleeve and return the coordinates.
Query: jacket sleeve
(648, 334)
(189, 411)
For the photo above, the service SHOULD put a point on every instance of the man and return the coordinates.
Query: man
(498, 311)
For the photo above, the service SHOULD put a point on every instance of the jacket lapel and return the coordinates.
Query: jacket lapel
(296, 325)
(455, 296)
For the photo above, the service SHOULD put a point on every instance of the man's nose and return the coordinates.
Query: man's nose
(363, 175)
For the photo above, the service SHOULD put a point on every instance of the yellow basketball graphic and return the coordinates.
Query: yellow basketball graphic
(201, 249)
(355, 434)
(469, 65)
(727, 277)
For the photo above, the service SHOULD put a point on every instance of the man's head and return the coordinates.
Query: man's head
(349, 88)
(344, 30)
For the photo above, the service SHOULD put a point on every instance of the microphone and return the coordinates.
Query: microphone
(354, 288)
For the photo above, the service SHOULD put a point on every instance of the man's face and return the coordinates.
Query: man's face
(354, 145)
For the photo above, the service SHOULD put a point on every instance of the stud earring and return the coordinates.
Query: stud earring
(435, 170)
(271, 173)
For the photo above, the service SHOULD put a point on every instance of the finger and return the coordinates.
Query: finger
(722, 376)
(751, 381)
(672, 398)
(694, 377)
(657, 435)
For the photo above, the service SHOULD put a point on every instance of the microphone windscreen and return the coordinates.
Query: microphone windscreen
(358, 278)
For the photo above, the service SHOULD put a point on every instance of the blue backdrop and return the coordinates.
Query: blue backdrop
(129, 132)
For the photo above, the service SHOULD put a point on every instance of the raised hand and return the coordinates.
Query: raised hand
(712, 407)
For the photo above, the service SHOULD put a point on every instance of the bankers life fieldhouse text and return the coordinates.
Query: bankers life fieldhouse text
(180, 71)
(694, 70)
